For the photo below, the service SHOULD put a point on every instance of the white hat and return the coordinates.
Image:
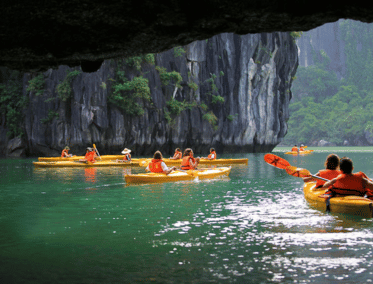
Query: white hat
(126, 151)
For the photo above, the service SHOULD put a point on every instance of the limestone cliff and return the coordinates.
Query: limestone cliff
(233, 94)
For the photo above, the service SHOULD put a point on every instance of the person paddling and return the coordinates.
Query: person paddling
(90, 156)
(301, 148)
(177, 155)
(295, 149)
(331, 171)
(127, 156)
(65, 152)
(212, 155)
(189, 162)
(349, 183)
(158, 166)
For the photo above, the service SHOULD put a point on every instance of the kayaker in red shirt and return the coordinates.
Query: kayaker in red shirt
(177, 154)
(90, 156)
(331, 171)
(349, 183)
(212, 155)
(189, 162)
(295, 149)
(65, 152)
(158, 166)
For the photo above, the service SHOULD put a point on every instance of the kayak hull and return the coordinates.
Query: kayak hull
(77, 158)
(63, 164)
(172, 162)
(353, 205)
(306, 152)
(178, 175)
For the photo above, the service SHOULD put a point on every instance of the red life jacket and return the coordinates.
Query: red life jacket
(127, 157)
(328, 174)
(155, 166)
(177, 155)
(64, 153)
(349, 184)
(185, 164)
(90, 156)
(209, 156)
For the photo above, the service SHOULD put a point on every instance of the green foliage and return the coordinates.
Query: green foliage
(193, 85)
(203, 106)
(64, 89)
(12, 104)
(51, 115)
(232, 117)
(296, 35)
(167, 77)
(36, 85)
(211, 118)
(179, 51)
(324, 107)
(136, 61)
(127, 94)
(217, 99)
(176, 107)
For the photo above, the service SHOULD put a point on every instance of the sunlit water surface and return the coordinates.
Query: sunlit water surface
(88, 226)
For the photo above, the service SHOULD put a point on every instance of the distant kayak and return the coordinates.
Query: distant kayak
(178, 175)
(354, 205)
(305, 152)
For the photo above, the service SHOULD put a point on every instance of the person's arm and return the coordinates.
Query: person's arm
(309, 179)
(328, 184)
(166, 169)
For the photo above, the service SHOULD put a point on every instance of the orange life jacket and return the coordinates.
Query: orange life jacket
(90, 156)
(328, 174)
(213, 152)
(294, 149)
(155, 166)
(185, 164)
(350, 184)
(301, 149)
(177, 155)
(64, 153)
(127, 157)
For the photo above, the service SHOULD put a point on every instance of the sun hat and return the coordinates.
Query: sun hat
(67, 148)
(126, 151)
(89, 149)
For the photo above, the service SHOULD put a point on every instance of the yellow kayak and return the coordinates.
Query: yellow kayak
(61, 164)
(172, 162)
(77, 158)
(178, 175)
(305, 152)
(354, 205)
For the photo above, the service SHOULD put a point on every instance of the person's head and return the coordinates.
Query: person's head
(332, 162)
(89, 149)
(346, 165)
(295, 145)
(67, 148)
(177, 150)
(157, 155)
(212, 150)
(188, 152)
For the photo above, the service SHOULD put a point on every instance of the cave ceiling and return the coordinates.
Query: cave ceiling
(38, 35)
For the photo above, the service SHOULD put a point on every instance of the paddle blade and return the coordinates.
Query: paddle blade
(298, 172)
(276, 161)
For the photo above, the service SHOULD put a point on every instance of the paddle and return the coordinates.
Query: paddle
(94, 146)
(276, 161)
(281, 163)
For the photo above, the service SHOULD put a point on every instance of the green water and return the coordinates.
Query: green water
(88, 226)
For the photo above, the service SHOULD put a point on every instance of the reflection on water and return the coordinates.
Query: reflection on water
(83, 225)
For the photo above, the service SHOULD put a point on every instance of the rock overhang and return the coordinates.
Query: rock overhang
(39, 35)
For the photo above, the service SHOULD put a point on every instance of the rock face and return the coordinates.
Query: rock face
(38, 35)
(328, 39)
(234, 96)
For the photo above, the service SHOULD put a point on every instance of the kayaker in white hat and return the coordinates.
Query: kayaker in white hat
(127, 156)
